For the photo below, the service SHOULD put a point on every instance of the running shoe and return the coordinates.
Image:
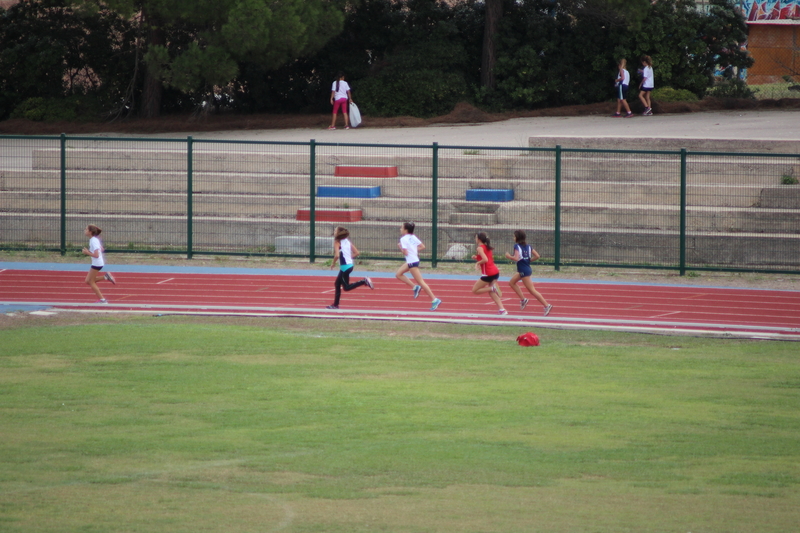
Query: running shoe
(347, 127)
(417, 288)
(110, 278)
(547, 309)
(616, 115)
(502, 312)
(648, 112)
(102, 301)
(368, 283)
(629, 115)
(523, 303)
(331, 127)
(332, 307)
(435, 304)
(494, 289)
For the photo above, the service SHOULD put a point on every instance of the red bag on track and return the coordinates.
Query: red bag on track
(528, 339)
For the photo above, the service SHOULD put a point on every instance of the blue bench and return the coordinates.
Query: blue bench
(348, 192)
(490, 195)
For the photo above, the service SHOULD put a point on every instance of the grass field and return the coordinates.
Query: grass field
(207, 424)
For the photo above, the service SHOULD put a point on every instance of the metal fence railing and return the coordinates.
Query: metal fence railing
(668, 209)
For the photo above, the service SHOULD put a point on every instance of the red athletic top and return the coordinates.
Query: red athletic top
(488, 268)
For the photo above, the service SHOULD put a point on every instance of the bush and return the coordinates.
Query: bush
(420, 93)
(668, 94)
(734, 88)
(70, 108)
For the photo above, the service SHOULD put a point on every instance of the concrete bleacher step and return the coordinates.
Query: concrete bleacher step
(473, 219)
(645, 191)
(236, 233)
(634, 216)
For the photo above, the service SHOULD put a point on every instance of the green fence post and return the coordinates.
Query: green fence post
(189, 208)
(435, 205)
(312, 196)
(63, 194)
(557, 226)
(683, 213)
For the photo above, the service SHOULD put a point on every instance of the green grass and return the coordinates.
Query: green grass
(179, 424)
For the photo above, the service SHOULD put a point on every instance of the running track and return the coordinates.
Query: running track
(669, 309)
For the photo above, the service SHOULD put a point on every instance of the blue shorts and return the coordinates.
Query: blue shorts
(622, 92)
(413, 265)
(524, 270)
(646, 89)
(96, 268)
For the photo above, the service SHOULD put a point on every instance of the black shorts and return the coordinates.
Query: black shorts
(489, 279)
(96, 268)
(413, 265)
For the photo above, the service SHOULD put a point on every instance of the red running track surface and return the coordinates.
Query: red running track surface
(654, 308)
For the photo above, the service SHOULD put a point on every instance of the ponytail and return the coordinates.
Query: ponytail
(485, 240)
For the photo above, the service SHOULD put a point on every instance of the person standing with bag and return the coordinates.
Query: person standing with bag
(340, 99)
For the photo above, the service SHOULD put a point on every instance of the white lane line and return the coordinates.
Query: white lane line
(166, 280)
(666, 314)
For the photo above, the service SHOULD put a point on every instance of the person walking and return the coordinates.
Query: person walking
(647, 85)
(621, 84)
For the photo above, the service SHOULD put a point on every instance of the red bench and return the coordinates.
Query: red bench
(331, 215)
(364, 171)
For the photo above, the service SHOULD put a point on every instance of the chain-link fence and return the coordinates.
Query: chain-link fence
(673, 209)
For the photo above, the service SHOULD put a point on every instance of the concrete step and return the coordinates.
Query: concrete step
(473, 219)
(258, 235)
(489, 164)
(666, 143)
(739, 192)
(519, 213)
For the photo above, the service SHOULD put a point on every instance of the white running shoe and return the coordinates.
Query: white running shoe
(523, 303)
(110, 278)
(369, 284)
(502, 312)
(547, 309)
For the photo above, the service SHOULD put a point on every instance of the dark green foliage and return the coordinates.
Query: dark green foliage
(668, 94)
(734, 88)
(404, 57)
(69, 108)
(49, 50)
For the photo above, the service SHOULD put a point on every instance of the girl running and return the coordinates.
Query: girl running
(95, 251)
(523, 255)
(410, 245)
(344, 252)
(490, 272)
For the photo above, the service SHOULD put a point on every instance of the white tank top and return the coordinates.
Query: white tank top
(345, 254)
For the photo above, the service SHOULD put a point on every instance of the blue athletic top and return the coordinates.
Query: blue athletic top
(524, 262)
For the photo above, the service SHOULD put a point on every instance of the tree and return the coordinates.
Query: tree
(50, 50)
(630, 12)
(195, 45)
